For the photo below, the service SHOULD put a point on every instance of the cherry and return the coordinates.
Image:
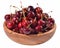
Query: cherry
(15, 19)
(10, 25)
(38, 10)
(25, 31)
(21, 31)
(24, 24)
(18, 13)
(7, 17)
(38, 28)
(41, 22)
(45, 16)
(51, 20)
(38, 15)
(30, 8)
(16, 29)
(25, 9)
(33, 23)
(31, 14)
(49, 26)
(20, 25)
(32, 30)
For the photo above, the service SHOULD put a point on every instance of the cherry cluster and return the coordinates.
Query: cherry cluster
(29, 20)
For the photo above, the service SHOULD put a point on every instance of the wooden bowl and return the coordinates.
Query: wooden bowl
(29, 39)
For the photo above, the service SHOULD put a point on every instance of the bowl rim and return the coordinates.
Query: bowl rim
(39, 34)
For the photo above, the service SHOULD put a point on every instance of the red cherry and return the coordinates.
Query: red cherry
(45, 14)
(41, 22)
(15, 19)
(18, 14)
(10, 25)
(20, 25)
(21, 31)
(38, 16)
(51, 20)
(7, 17)
(16, 29)
(38, 28)
(33, 23)
(25, 31)
(25, 9)
(24, 24)
(38, 10)
(24, 19)
(30, 8)
(31, 14)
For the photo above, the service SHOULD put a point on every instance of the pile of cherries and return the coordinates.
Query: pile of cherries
(29, 20)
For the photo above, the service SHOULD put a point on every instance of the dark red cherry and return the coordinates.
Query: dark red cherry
(15, 19)
(38, 10)
(7, 17)
(38, 15)
(33, 23)
(24, 19)
(25, 9)
(41, 22)
(10, 25)
(18, 13)
(51, 20)
(30, 8)
(38, 28)
(16, 29)
(45, 16)
(21, 31)
(25, 31)
(49, 25)
(20, 25)
(31, 14)
(24, 24)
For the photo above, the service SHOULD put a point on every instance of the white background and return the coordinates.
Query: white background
(46, 5)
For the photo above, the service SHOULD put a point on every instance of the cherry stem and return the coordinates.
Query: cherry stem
(14, 7)
(11, 13)
(35, 19)
(23, 10)
(23, 14)
(41, 17)
(28, 26)
(31, 23)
